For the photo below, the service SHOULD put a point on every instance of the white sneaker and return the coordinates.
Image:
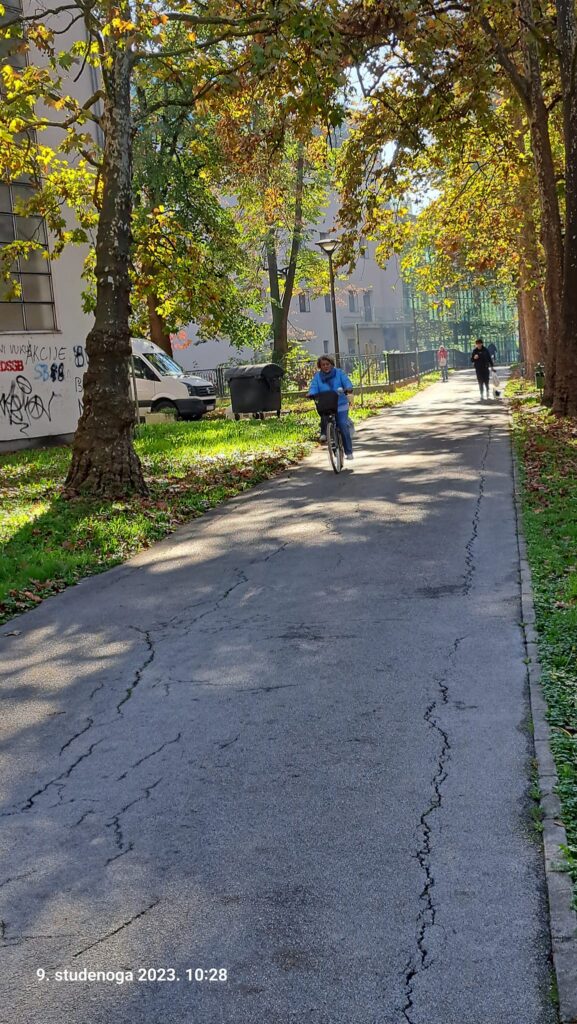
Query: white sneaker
(349, 457)
(323, 437)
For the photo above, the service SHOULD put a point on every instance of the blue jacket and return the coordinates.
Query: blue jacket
(331, 382)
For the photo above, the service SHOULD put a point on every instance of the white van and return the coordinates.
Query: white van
(164, 386)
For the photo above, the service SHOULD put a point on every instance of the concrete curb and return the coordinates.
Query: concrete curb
(563, 918)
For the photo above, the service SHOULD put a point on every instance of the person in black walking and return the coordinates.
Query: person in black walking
(482, 361)
(492, 350)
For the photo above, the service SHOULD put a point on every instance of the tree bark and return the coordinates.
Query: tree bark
(531, 294)
(522, 333)
(281, 307)
(531, 303)
(158, 330)
(551, 235)
(296, 242)
(533, 326)
(529, 87)
(279, 328)
(104, 462)
(565, 390)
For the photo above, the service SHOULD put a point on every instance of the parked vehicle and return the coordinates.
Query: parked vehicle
(164, 386)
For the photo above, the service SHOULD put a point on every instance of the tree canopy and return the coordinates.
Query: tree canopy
(472, 106)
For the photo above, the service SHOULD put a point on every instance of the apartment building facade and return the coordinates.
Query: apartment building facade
(43, 329)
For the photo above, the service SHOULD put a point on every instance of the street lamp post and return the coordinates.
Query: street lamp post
(328, 246)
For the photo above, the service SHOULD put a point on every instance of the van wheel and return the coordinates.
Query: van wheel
(168, 407)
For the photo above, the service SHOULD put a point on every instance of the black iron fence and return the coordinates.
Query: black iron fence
(388, 368)
(216, 377)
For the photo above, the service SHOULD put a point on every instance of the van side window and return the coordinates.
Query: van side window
(142, 371)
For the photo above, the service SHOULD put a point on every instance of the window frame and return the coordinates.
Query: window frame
(24, 277)
(17, 190)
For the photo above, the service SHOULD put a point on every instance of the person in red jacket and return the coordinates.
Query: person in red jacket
(443, 362)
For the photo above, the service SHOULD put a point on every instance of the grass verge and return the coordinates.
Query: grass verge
(547, 453)
(46, 543)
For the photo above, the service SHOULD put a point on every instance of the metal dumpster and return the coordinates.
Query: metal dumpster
(255, 389)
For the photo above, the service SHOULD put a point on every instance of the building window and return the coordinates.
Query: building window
(33, 308)
(353, 304)
(9, 47)
(351, 346)
(367, 307)
(328, 304)
(304, 303)
(326, 347)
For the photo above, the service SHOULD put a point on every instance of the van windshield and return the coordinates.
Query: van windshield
(164, 364)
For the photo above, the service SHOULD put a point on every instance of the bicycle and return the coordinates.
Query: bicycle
(327, 404)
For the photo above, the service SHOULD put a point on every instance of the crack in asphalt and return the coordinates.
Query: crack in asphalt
(147, 757)
(16, 878)
(121, 927)
(273, 554)
(228, 743)
(241, 578)
(30, 801)
(421, 960)
(19, 940)
(83, 817)
(139, 671)
(90, 722)
(179, 620)
(114, 822)
(470, 566)
(122, 853)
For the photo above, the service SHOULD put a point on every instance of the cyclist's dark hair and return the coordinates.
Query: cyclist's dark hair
(321, 359)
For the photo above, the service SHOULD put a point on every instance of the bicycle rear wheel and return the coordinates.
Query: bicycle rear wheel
(335, 446)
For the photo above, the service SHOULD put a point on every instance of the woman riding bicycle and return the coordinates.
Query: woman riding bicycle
(331, 378)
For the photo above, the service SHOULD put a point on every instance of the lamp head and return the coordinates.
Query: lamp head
(328, 245)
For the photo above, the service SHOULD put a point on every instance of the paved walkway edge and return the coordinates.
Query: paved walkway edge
(559, 885)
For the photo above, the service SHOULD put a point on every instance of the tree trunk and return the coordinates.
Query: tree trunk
(158, 330)
(531, 304)
(565, 390)
(552, 241)
(296, 241)
(531, 296)
(104, 462)
(279, 325)
(529, 88)
(522, 331)
(551, 235)
(533, 325)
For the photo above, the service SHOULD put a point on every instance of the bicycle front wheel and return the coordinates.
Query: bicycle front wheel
(335, 446)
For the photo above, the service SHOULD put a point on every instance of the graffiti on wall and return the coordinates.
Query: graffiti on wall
(35, 379)
(23, 406)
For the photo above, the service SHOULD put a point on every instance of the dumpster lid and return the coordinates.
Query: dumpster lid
(266, 371)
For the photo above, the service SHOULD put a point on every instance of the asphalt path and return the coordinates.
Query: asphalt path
(290, 747)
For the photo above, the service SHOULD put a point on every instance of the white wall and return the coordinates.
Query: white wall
(41, 371)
